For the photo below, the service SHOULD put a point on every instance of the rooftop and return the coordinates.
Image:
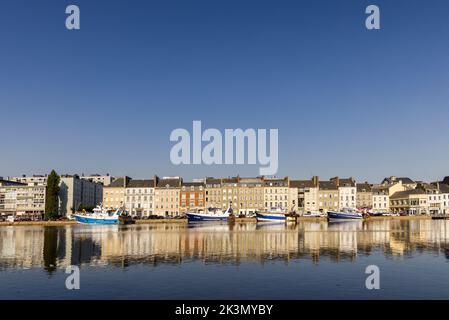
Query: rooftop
(193, 184)
(364, 187)
(140, 184)
(169, 183)
(393, 179)
(406, 193)
(328, 185)
(302, 184)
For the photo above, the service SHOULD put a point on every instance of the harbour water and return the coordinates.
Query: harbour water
(309, 260)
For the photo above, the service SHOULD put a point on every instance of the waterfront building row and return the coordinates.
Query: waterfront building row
(25, 196)
(171, 196)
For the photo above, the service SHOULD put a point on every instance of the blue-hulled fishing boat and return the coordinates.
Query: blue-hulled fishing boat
(275, 214)
(99, 215)
(344, 214)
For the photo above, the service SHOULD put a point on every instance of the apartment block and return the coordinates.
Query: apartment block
(347, 192)
(328, 196)
(192, 196)
(21, 200)
(413, 201)
(250, 195)
(167, 196)
(139, 197)
(276, 193)
(213, 193)
(114, 194)
(307, 198)
(364, 197)
(75, 192)
(293, 198)
(381, 199)
(444, 190)
(230, 193)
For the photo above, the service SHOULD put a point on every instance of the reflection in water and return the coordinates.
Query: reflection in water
(52, 247)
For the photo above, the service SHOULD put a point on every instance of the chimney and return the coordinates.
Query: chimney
(336, 180)
(316, 180)
(126, 180)
(156, 180)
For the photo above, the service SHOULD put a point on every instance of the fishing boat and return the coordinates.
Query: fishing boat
(314, 214)
(99, 215)
(211, 214)
(275, 214)
(344, 214)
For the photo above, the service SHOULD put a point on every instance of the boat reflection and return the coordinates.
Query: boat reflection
(223, 243)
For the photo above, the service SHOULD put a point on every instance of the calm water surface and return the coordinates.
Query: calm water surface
(310, 260)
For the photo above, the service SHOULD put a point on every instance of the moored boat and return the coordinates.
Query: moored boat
(345, 214)
(275, 214)
(212, 214)
(314, 214)
(99, 215)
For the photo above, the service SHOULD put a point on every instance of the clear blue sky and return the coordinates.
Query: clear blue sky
(347, 101)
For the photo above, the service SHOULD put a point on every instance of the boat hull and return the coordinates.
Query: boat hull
(206, 217)
(343, 216)
(270, 217)
(95, 220)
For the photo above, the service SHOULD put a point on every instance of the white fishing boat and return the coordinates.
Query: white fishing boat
(315, 214)
(211, 214)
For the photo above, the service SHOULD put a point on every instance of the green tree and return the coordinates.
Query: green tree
(51, 196)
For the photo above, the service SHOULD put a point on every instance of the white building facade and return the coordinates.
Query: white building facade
(105, 180)
(276, 193)
(381, 203)
(22, 200)
(347, 192)
(139, 198)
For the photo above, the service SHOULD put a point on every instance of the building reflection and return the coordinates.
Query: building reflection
(58, 247)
